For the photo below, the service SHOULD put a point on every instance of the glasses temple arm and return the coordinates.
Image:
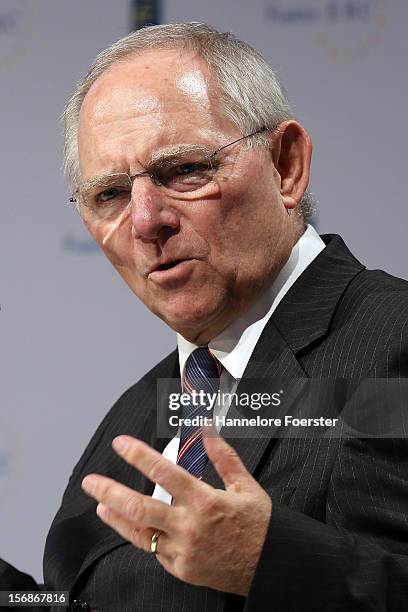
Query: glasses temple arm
(263, 129)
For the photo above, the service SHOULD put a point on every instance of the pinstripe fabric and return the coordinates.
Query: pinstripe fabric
(201, 374)
(338, 537)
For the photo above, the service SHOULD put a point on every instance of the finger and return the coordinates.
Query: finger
(175, 479)
(140, 509)
(139, 537)
(225, 459)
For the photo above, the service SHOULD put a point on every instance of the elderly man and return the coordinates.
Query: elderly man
(191, 172)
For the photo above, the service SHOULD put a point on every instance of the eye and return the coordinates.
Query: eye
(187, 176)
(186, 169)
(113, 193)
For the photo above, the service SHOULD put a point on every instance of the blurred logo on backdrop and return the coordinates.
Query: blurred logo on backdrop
(75, 240)
(145, 12)
(77, 243)
(15, 21)
(345, 29)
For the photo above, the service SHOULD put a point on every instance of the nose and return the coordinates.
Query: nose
(150, 213)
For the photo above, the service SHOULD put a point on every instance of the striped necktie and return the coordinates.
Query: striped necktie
(201, 374)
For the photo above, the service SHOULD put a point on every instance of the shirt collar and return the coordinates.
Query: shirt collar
(233, 347)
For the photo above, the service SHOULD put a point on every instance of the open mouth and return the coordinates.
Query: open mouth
(174, 271)
(170, 264)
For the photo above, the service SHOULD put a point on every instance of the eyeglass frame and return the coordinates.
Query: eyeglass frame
(74, 199)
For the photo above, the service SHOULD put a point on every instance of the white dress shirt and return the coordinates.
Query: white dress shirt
(233, 347)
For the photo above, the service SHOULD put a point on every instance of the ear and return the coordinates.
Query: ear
(292, 153)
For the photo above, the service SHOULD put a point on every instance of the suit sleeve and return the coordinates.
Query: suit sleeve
(357, 560)
(12, 579)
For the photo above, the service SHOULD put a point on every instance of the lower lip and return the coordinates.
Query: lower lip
(176, 273)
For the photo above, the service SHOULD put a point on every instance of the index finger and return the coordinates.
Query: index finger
(175, 479)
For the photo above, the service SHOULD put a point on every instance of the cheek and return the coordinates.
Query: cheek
(114, 238)
(250, 234)
(236, 231)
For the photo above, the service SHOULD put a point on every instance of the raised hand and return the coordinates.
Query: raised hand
(208, 537)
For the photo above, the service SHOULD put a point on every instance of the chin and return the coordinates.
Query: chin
(191, 318)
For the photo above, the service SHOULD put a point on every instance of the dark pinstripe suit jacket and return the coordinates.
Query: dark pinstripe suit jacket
(338, 536)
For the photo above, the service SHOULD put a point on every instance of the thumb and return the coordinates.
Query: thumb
(224, 458)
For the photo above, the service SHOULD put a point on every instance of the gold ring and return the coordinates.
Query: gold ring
(153, 542)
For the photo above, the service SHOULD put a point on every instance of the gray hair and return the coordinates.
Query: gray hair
(251, 95)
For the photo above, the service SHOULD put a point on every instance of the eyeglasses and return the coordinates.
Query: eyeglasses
(186, 174)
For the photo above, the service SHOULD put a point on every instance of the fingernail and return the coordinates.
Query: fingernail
(120, 444)
(88, 484)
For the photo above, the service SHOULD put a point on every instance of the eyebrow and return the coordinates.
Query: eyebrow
(176, 151)
(100, 181)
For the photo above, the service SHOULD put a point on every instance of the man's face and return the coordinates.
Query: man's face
(197, 264)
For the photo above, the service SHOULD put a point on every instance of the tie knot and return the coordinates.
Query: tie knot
(201, 368)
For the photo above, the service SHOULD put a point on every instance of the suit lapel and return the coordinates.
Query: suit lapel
(159, 407)
(269, 370)
(305, 314)
(76, 533)
(301, 319)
